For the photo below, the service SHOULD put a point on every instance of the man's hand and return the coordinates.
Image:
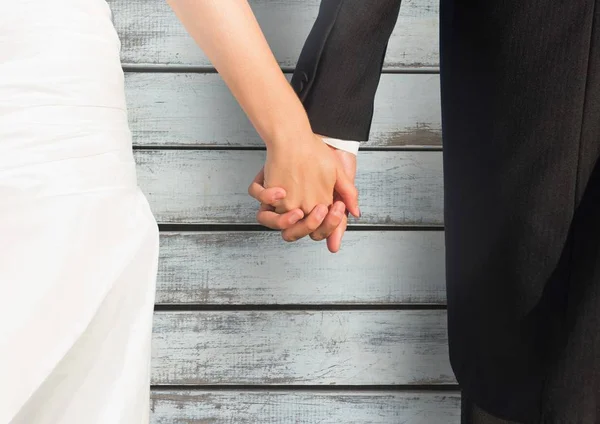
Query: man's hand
(320, 223)
(333, 229)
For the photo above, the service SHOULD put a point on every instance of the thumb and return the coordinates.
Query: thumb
(346, 189)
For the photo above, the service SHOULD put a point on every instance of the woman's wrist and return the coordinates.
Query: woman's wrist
(287, 131)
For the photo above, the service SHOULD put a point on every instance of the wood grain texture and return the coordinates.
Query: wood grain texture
(151, 34)
(195, 186)
(198, 109)
(264, 407)
(258, 268)
(301, 348)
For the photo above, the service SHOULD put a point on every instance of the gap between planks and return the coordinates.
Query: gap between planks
(441, 388)
(188, 307)
(192, 69)
(200, 228)
(263, 149)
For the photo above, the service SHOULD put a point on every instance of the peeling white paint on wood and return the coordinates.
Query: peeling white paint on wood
(301, 348)
(301, 407)
(198, 109)
(396, 188)
(151, 34)
(233, 268)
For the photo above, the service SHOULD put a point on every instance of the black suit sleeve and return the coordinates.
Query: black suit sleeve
(340, 65)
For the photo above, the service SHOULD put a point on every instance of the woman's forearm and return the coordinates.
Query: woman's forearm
(228, 33)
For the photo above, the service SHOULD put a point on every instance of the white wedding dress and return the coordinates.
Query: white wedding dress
(78, 244)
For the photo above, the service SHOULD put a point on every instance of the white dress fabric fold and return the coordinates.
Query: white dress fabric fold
(78, 243)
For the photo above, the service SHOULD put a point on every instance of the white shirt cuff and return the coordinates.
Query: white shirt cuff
(345, 145)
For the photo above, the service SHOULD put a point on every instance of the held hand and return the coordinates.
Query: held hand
(320, 223)
(309, 171)
(290, 223)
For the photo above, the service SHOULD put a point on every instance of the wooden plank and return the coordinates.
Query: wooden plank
(183, 186)
(301, 348)
(198, 109)
(264, 407)
(151, 34)
(258, 268)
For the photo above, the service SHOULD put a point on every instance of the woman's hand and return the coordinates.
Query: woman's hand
(309, 172)
(297, 161)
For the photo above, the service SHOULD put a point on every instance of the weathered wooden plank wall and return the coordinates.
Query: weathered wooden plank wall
(388, 268)
(301, 348)
(249, 329)
(304, 407)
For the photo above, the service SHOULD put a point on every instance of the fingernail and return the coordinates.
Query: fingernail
(296, 217)
(321, 212)
(359, 213)
(279, 195)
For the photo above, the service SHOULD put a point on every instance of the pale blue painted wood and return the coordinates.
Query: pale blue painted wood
(298, 348)
(302, 407)
(373, 267)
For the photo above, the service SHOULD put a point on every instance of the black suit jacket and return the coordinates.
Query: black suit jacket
(521, 133)
(349, 38)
